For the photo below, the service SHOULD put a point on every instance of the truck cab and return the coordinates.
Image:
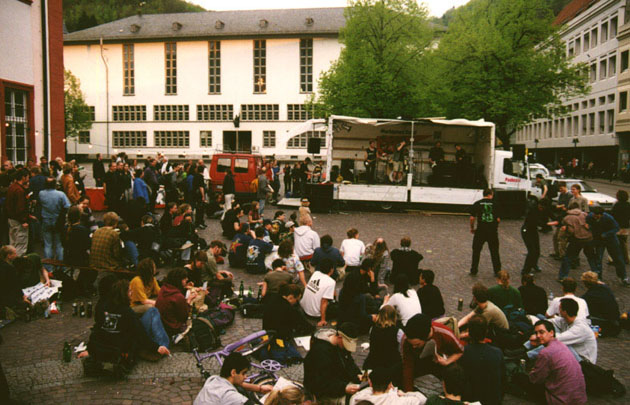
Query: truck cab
(244, 167)
(510, 173)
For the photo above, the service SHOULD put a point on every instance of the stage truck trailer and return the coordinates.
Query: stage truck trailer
(347, 139)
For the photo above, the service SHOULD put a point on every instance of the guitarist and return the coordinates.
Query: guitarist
(436, 155)
(370, 162)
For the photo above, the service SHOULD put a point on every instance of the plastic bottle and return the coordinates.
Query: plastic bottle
(67, 352)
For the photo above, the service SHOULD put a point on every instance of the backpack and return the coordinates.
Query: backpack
(600, 381)
(252, 310)
(221, 317)
(203, 335)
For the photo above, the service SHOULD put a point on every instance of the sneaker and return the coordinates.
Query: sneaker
(178, 338)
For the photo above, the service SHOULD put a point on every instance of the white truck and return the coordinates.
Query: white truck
(442, 186)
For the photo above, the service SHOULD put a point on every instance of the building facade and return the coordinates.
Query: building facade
(191, 84)
(590, 32)
(31, 80)
(622, 122)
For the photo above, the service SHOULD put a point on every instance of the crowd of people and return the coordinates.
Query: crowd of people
(410, 335)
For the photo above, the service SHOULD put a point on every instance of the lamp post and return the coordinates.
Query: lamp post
(536, 149)
(577, 162)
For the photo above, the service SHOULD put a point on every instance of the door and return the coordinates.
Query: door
(237, 141)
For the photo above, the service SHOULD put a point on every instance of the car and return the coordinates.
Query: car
(589, 192)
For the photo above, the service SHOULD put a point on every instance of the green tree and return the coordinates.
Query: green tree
(503, 60)
(76, 111)
(379, 70)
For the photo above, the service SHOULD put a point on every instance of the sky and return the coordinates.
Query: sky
(436, 7)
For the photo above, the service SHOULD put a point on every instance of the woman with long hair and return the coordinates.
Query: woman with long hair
(379, 252)
(144, 288)
(286, 396)
(172, 303)
(404, 299)
(384, 351)
(291, 261)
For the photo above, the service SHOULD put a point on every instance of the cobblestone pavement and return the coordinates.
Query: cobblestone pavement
(31, 352)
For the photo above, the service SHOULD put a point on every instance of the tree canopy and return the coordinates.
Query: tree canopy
(82, 14)
(502, 60)
(379, 71)
(76, 111)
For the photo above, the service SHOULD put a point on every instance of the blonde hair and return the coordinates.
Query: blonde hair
(285, 396)
(305, 219)
(504, 278)
(387, 317)
(110, 219)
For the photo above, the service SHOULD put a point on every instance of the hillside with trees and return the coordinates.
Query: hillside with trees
(82, 14)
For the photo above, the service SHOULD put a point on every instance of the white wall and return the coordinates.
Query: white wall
(283, 87)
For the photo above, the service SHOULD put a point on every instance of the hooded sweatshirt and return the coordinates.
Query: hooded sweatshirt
(173, 308)
(575, 220)
(327, 252)
(306, 241)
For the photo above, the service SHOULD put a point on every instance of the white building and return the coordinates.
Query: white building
(31, 80)
(590, 29)
(176, 82)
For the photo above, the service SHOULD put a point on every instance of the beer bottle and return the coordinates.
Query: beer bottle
(241, 291)
(67, 352)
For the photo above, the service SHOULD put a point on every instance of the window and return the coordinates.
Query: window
(623, 101)
(241, 165)
(269, 139)
(602, 122)
(306, 65)
(602, 69)
(604, 31)
(214, 67)
(576, 125)
(16, 124)
(624, 61)
(215, 112)
(602, 100)
(205, 139)
(578, 46)
(593, 75)
(611, 121)
(594, 37)
(591, 103)
(571, 51)
(171, 139)
(170, 112)
(260, 66)
(591, 123)
(301, 141)
(611, 98)
(584, 124)
(92, 113)
(129, 113)
(224, 164)
(84, 136)
(124, 139)
(613, 27)
(587, 41)
(584, 104)
(170, 63)
(612, 66)
(298, 112)
(576, 106)
(260, 112)
(129, 83)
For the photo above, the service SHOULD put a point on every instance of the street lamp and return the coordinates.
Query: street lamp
(536, 148)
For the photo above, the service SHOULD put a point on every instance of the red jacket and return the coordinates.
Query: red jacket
(173, 308)
(17, 207)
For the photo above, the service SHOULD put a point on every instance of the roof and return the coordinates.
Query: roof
(571, 10)
(230, 24)
(388, 122)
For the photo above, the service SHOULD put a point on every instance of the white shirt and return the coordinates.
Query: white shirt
(406, 306)
(389, 398)
(352, 251)
(579, 336)
(554, 307)
(319, 286)
(219, 391)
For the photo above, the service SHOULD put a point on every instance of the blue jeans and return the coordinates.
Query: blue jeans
(152, 324)
(572, 253)
(261, 208)
(52, 242)
(614, 250)
(132, 252)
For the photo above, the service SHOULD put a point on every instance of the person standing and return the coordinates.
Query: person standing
(261, 192)
(67, 182)
(287, 178)
(109, 186)
(140, 188)
(370, 162)
(529, 233)
(99, 170)
(580, 237)
(17, 212)
(485, 214)
(621, 213)
(560, 237)
(150, 177)
(199, 194)
(228, 191)
(54, 204)
(576, 191)
(436, 154)
(605, 228)
(460, 165)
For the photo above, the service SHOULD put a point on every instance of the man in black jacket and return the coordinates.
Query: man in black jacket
(99, 170)
(228, 191)
(430, 296)
(329, 370)
(405, 261)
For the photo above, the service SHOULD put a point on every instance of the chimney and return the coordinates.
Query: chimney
(219, 24)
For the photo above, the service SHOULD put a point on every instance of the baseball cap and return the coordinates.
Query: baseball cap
(304, 199)
(289, 224)
(349, 333)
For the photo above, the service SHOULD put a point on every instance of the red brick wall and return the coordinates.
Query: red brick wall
(55, 42)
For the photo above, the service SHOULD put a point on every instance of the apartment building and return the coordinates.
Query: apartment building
(191, 84)
(590, 32)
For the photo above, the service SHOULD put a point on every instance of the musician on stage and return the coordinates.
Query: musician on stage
(436, 154)
(371, 155)
(398, 161)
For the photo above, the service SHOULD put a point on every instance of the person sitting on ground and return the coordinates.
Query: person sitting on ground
(197, 268)
(534, 297)
(384, 352)
(281, 315)
(328, 251)
(106, 252)
(172, 302)
(166, 221)
(483, 365)
(306, 239)
(237, 255)
(30, 270)
(275, 278)
(146, 238)
(11, 295)
(330, 372)
(406, 260)
(118, 333)
(288, 233)
(290, 395)
(454, 385)
(319, 291)
(358, 300)
(427, 348)
(404, 299)
(220, 279)
(429, 295)
(254, 219)
(569, 286)
(503, 294)
(257, 251)
(87, 219)
(382, 392)
(228, 387)
(496, 319)
(352, 250)
(231, 222)
(557, 369)
(379, 252)
(602, 305)
(292, 262)
(144, 288)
